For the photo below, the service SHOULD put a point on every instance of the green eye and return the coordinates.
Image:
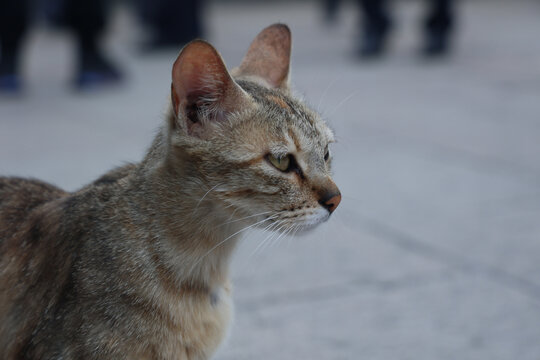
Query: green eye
(282, 164)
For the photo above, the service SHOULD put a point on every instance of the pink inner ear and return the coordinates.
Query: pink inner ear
(269, 55)
(199, 76)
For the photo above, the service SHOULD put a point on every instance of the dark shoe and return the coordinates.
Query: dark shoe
(96, 71)
(10, 84)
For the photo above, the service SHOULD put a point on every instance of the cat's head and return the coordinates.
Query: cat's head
(258, 153)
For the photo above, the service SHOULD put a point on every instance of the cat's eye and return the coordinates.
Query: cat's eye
(283, 163)
(326, 153)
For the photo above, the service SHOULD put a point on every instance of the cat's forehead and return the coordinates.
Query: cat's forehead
(298, 122)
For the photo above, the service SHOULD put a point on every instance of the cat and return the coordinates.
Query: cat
(135, 264)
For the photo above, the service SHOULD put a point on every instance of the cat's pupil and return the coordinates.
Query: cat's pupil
(326, 155)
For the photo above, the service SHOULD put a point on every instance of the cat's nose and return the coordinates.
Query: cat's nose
(330, 200)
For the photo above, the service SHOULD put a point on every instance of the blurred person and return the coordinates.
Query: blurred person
(86, 18)
(172, 23)
(377, 24)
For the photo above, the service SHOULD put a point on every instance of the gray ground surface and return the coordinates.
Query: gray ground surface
(434, 252)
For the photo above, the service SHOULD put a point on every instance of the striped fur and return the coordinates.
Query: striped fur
(135, 264)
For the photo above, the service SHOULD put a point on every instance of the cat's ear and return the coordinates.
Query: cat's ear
(202, 89)
(269, 57)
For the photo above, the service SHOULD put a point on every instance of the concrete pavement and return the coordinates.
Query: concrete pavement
(434, 252)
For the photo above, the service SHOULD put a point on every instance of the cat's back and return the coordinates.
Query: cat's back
(26, 207)
(24, 253)
(19, 198)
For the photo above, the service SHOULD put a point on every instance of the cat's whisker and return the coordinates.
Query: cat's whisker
(227, 238)
(232, 214)
(292, 233)
(230, 205)
(275, 241)
(271, 225)
(271, 228)
(342, 141)
(273, 232)
(285, 234)
(268, 240)
(208, 192)
(340, 104)
(279, 233)
(297, 227)
(290, 237)
(244, 218)
(328, 87)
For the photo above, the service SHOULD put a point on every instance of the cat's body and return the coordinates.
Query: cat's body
(135, 265)
(57, 264)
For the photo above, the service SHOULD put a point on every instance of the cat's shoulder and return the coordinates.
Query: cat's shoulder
(115, 174)
(26, 193)
(21, 196)
(19, 199)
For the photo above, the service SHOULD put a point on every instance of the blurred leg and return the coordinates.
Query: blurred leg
(181, 20)
(87, 18)
(14, 20)
(438, 25)
(174, 22)
(376, 23)
(331, 8)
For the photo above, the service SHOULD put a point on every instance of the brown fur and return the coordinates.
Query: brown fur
(135, 265)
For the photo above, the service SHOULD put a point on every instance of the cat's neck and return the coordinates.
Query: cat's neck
(193, 235)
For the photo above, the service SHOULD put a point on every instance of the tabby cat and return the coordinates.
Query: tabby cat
(135, 265)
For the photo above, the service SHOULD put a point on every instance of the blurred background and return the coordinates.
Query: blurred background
(434, 252)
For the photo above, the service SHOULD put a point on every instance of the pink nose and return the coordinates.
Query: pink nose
(331, 201)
